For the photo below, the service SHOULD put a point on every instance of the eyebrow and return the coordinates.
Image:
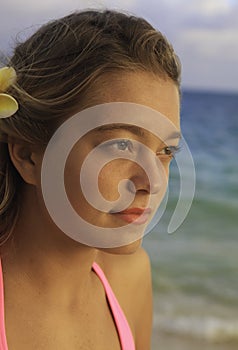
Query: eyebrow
(133, 129)
(175, 135)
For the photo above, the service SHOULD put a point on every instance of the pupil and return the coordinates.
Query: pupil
(122, 145)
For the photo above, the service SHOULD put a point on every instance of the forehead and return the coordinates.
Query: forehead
(142, 88)
(110, 129)
(125, 132)
(115, 117)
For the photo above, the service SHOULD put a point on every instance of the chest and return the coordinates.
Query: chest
(31, 324)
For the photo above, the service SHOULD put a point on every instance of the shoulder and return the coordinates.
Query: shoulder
(130, 279)
(131, 268)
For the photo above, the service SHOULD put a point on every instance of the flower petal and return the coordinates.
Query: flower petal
(7, 77)
(8, 105)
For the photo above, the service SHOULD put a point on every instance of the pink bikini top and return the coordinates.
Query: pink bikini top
(123, 328)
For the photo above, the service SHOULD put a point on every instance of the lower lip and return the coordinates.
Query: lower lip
(133, 218)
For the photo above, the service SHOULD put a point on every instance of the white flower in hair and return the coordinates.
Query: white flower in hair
(8, 104)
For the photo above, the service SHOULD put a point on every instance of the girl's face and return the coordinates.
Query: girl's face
(140, 88)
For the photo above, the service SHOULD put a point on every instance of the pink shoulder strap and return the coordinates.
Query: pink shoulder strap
(3, 339)
(123, 328)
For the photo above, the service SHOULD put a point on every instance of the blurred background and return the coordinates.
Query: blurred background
(195, 269)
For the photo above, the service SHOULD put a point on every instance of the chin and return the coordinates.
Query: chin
(126, 249)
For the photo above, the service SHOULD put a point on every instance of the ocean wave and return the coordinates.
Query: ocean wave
(207, 328)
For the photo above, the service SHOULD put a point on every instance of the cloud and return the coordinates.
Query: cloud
(212, 43)
(207, 43)
(203, 32)
(18, 15)
(209, 58)
(208, 8)
(29, 6)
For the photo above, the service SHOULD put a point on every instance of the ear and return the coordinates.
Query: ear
(27, 161)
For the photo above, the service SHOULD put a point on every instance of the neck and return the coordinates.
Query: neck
(48, 257)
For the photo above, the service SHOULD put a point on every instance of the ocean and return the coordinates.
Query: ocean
(195, 269)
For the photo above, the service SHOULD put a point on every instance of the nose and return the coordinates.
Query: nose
(149, 175)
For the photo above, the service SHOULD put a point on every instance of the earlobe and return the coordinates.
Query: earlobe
(25, 161)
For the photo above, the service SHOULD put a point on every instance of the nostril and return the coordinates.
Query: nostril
(151, 182)
(132, 185)
(139, 183)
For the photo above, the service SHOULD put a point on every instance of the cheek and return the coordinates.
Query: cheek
(110, 176)
(166, 165)
(166, 169)
(72, 178)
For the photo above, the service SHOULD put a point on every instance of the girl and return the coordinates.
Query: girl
(58, 292)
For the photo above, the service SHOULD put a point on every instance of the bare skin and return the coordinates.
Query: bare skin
(53, 299)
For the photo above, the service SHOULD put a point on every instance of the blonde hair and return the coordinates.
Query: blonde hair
(56, 71)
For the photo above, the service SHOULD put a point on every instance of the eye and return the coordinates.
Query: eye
(121, 145)
(168, 151)
(124, 145)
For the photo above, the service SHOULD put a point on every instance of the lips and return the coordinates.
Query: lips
(136, 216)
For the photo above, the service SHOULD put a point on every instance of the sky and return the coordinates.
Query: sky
(204, 33)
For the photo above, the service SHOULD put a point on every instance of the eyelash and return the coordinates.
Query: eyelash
(171, 149)
(126, 142)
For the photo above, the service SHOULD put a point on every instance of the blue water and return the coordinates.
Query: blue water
(195, 269)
